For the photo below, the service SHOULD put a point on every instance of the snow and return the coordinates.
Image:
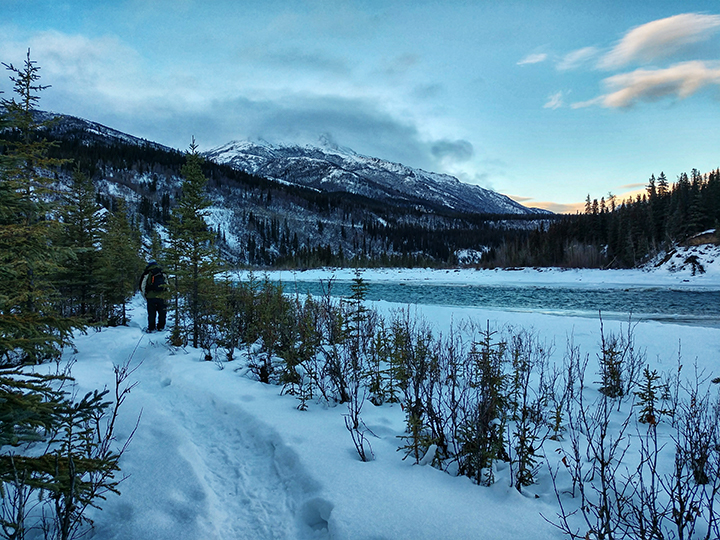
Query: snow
(355, 173)
(219, 456)
(672, 273)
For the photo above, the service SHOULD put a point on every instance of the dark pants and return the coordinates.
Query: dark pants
(156, 308)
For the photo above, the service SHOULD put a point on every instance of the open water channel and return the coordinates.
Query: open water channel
(695, 307)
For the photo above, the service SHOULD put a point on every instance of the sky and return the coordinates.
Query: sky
(545, 101)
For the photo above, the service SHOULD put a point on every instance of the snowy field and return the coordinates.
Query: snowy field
(219, 456)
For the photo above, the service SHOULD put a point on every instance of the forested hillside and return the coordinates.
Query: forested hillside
(622, 235)
(262, 222)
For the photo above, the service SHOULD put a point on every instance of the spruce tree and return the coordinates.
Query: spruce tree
(81, 232)
(40, 456)
(119, 265)
(31, 330)
(191, 255)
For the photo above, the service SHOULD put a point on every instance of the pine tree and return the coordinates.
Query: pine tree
(191, 254)
(31, 330)
(156, 245)
(119, 265)
(34, 407)
(482, 434)
(81, 231)
(648, 396)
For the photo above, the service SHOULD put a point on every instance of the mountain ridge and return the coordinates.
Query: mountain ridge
(342, 216)
(326, 168)
(332, 168)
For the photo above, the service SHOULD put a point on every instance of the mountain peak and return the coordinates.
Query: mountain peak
(332, 168)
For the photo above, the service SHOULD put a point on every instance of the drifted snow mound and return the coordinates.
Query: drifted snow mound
(696, 258)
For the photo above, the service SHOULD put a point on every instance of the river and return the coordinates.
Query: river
(694, 307)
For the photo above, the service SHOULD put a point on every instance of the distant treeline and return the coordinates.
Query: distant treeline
(620, 235)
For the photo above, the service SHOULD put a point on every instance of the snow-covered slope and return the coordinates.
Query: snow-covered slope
(72, 127)
(219, 456)
(701, 256)
(332, 168)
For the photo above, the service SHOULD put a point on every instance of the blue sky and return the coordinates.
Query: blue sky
(545, 101)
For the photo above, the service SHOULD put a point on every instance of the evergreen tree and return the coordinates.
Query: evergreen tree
(156, 246)
(65, 472)
(119, 265)
(31, 330)
(191, 254)
(82, 228)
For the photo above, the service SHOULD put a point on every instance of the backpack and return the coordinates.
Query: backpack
(155, 280)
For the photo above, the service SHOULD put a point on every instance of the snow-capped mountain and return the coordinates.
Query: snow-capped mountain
(335, 169)
(302, 206)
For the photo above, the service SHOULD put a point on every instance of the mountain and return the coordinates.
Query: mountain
(297, 206)
(336, 169)
(66, 127)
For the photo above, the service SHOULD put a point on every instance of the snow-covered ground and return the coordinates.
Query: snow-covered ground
(671, 270)
(219, 456)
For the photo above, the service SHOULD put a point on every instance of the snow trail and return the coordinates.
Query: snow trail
(199, 460)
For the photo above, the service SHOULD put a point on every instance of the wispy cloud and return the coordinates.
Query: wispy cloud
(679, 81)
(455, 151)
(558, 208)
(589, 103)
(660, 39)
(555, 101)
(533, 59)
(577, 58)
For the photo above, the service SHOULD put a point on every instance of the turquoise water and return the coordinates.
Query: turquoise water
(654, 303)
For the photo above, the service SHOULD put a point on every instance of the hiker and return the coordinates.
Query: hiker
(152, 286)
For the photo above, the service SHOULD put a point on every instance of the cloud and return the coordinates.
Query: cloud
(660, 39)
(633, 187)
(455, 151)
(576, 58)
(520, 199)
(558, 208)
(300, 60)
(105, 80)
(401, 65)
(533, 59)
(679, 81)
(589, 103)
(555, 101)
(85, 71)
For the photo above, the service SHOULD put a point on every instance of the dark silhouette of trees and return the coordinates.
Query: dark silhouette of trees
(608, 234)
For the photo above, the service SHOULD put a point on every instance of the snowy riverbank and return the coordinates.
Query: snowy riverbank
(219, 456)
(671, 270)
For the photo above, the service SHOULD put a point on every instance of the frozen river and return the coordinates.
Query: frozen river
(617, 295)
(697, 307)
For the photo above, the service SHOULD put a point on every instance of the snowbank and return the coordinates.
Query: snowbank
(219, 456)
(674, 269)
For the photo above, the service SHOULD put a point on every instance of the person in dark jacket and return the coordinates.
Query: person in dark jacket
(152, 287)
